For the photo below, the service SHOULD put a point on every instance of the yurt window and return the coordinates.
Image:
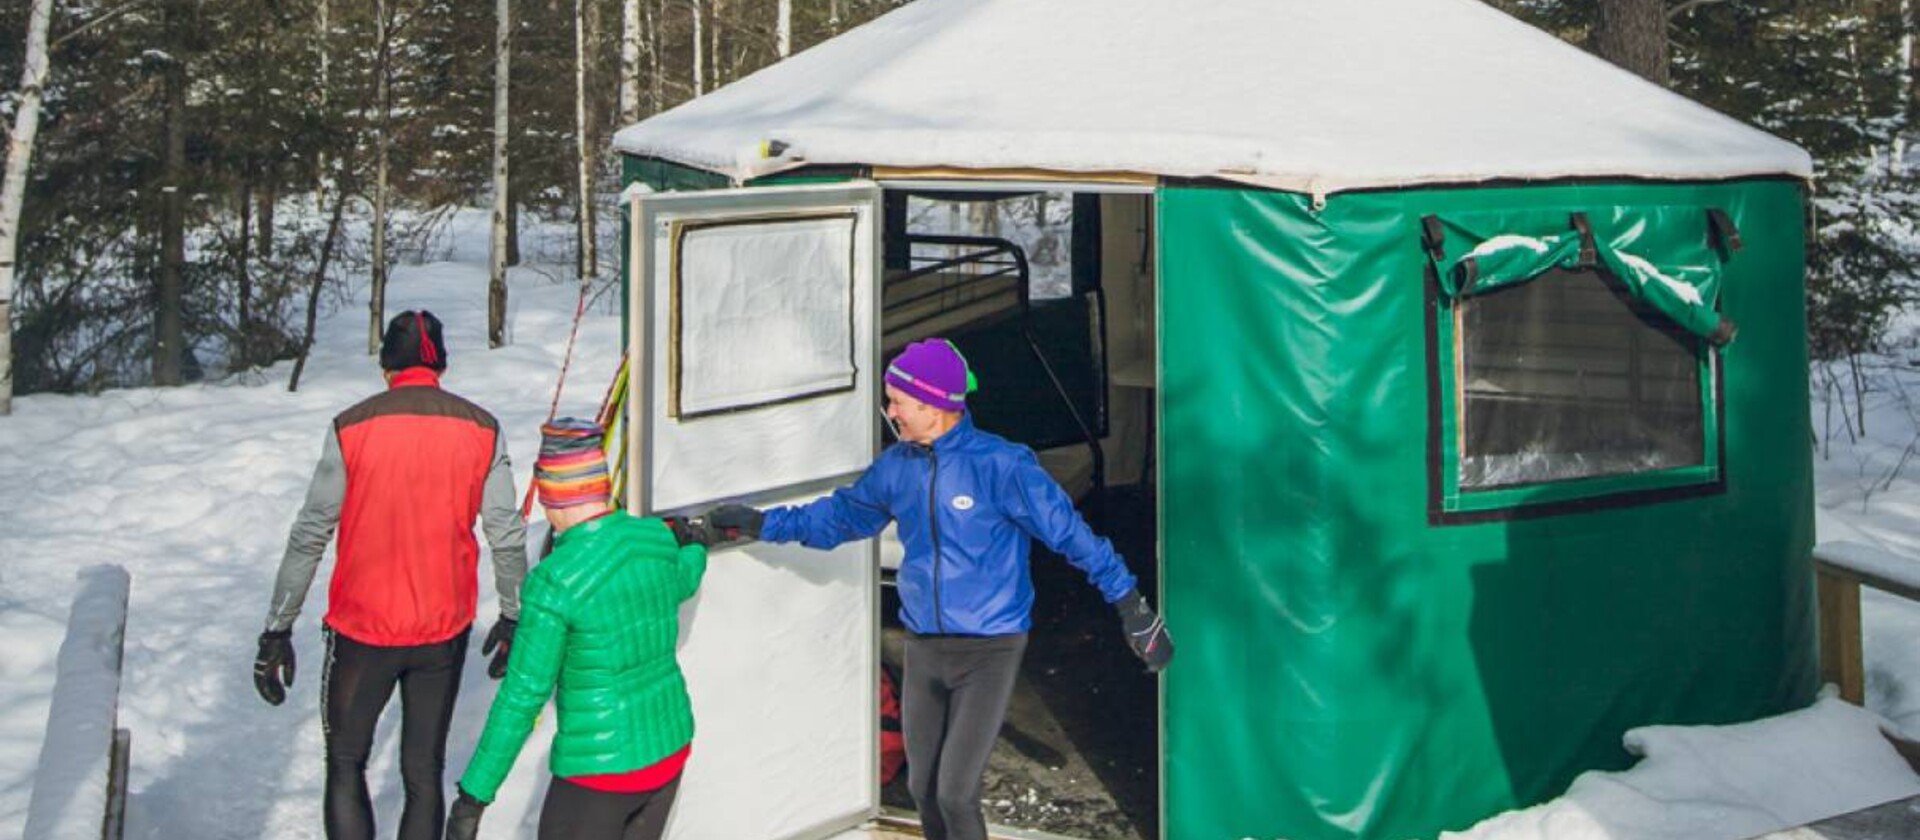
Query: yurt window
(1048, 228)
(1566, 377)
(791, 339)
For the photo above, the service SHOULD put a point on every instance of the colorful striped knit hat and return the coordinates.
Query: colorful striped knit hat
(572, 467)
(933, 372)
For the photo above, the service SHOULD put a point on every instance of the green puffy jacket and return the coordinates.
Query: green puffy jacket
(600, 618)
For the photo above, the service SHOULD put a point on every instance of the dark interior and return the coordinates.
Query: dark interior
(1015, 280)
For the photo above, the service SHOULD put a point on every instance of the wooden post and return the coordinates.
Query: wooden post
(116, 822)
(1841, 659)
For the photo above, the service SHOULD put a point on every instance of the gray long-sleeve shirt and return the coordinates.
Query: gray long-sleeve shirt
(313, 528)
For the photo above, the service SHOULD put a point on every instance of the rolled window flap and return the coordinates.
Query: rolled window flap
(1504, 249)
(1504, 260)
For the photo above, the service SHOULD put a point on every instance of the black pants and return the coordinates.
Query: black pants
(572, 812)
(354, 688)
(953, 697)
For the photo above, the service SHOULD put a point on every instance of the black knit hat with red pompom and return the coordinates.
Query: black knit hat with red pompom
(413, 339)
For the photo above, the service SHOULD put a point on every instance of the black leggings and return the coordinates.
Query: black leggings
(354, 689)
(952, 700)
(572, 812)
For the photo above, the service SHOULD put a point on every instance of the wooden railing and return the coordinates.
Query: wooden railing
(1840, 569)
(80, 785)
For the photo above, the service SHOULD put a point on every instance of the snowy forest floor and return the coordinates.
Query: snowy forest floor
(191, 490)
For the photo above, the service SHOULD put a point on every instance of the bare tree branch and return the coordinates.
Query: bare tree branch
(108, 15)
(1689, 6)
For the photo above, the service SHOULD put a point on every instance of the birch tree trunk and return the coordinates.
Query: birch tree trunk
(13, 186)
(169, 336)
(715, 9)
(783, 29)
(242, 258)
(629, 62)
(589, 261)
(699, 52)
(1909, 85)
(497, 257)
(1633, 34)
(377, 298)
(655, 98)
(325, 27)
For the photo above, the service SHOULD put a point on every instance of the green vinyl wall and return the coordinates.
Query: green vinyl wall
(1352, 663)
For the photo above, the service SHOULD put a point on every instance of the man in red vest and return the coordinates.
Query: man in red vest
(403, 475)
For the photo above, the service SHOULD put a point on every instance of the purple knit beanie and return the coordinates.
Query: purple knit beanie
(933, 372)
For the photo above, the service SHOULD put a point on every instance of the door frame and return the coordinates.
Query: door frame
(644, 211)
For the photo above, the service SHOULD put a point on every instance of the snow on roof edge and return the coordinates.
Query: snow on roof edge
(739, 173)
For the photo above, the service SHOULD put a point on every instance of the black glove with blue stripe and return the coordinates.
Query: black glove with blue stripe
(1146, 633)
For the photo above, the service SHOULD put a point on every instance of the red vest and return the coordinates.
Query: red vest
(417, 460)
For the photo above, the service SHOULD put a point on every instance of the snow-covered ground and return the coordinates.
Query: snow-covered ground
(191, 489)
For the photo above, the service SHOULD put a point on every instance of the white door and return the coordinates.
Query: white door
(752, 328)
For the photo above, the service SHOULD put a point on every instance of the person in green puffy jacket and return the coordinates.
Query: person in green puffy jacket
(599, 619)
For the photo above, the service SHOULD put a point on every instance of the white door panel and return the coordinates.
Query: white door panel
(752, 327)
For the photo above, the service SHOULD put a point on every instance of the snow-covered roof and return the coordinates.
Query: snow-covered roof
(1308, 95)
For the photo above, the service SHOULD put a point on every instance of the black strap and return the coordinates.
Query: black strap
(1467, 272)
(1588, 253)
(1433, 236)
(1720, 226)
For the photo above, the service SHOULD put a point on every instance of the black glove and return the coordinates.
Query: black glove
(501, 636)
(1146, 633)
(273, 666)
(463, 821)
(693, 531)
(732, 522)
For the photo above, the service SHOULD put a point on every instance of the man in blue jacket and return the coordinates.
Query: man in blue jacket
(968, 504)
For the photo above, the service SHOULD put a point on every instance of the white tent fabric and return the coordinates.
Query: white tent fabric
(1314, 96)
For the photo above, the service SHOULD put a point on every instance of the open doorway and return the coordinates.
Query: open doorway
(1048, 291)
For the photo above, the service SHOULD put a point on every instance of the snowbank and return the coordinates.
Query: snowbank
(70, 782)
(191, 489)
(1704, 782)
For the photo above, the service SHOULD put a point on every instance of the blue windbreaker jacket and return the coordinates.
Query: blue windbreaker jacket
(965, 571)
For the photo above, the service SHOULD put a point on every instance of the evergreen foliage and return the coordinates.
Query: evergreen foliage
(1837, 79)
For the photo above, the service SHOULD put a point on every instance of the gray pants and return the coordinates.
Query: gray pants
(953, 697)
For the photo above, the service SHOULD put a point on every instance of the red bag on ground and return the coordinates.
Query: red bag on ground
(893, 747)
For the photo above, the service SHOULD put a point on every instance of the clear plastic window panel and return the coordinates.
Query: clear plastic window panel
(786, 335)
(1566, 377)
